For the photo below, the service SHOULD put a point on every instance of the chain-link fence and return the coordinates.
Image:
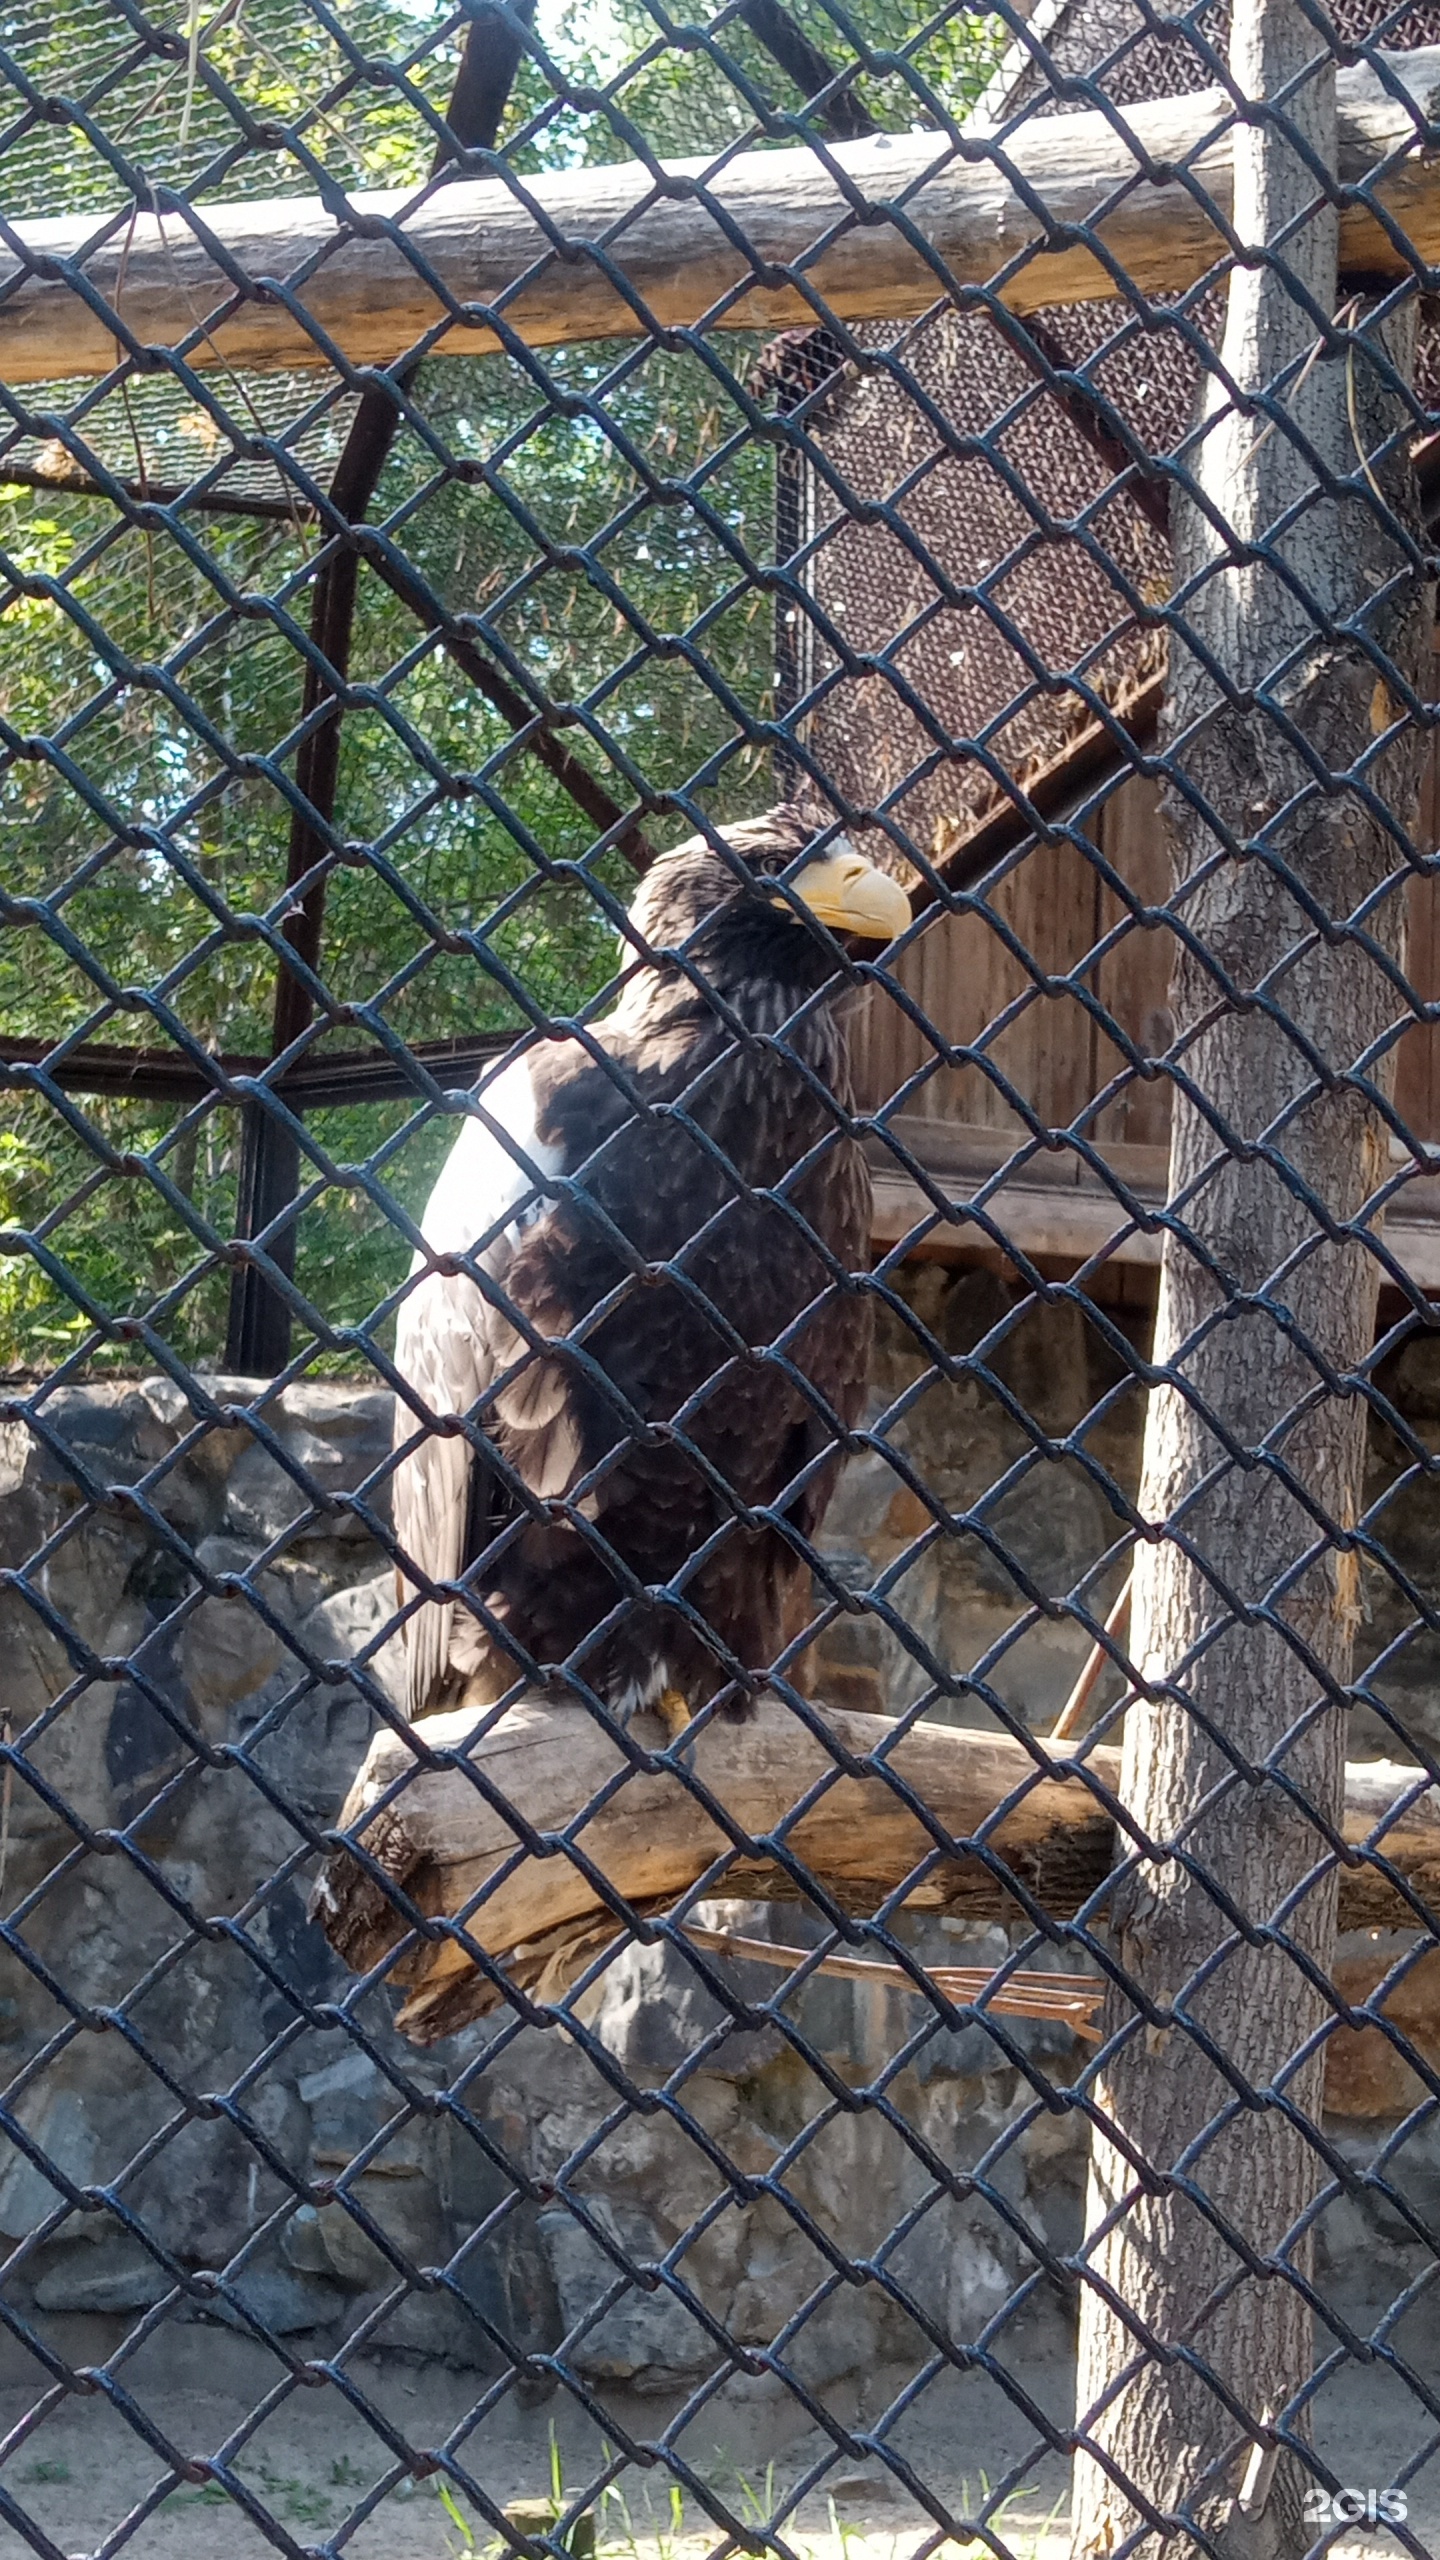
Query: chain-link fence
(720, 1196)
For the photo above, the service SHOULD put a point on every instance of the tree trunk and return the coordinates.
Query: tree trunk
(1244, 1614)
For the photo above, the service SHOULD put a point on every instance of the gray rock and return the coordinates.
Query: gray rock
(960, 2264)
(352, 2257)
(62, 2127)
(335, 1440)
(262, 1497)
(115, 1432)
(350, 1621)
(302, 2243)
(355, 1423)
(280, 2300)
(206, 2191)
(89, 1579)
(406, 2210)
(655, 2011)
(350, 2102)
(646, 2339)
(352, 2075)
(228, 1652)
(1044, 1362)
(116, 2275)
(433, 2325)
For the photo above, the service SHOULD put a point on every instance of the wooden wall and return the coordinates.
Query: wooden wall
(1048, 1045)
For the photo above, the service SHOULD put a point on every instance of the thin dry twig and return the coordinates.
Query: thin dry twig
(142, 116)
(130, 419)
(1361, 456)
(1068, 1996)
(1296, 387)
(192, 72)
(224, 365)
(1067, 1722)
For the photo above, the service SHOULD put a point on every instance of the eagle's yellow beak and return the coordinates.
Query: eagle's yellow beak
(852, 896)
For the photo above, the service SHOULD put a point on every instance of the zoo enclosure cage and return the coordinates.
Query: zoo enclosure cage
(967, 574)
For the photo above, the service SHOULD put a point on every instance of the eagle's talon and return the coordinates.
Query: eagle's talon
(673, 1710)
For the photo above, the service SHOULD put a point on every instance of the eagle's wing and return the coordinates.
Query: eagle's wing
(450, 1344)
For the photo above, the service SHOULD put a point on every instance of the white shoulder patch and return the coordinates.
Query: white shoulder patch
(491, 1186)
(493, 1179)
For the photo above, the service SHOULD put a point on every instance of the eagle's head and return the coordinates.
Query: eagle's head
(752, 914)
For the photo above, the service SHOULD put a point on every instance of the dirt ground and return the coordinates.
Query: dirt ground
(87, 2481)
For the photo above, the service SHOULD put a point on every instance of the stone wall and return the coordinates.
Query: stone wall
(1013, 1470)
(175, 2037)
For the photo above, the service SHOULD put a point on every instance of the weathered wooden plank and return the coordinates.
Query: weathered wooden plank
(283, 281)
(963, 976)
(1048, 1053)
(1050, 1222)
(1068, 1216)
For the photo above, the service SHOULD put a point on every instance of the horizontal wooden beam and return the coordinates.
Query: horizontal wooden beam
(877, 229)
(445, 1837)
(1037, 1211)
(315, 1083)
(1054, 1207)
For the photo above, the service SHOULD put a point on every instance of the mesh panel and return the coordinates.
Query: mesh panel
(719, 1222)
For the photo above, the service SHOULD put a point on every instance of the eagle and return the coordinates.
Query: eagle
(635, 1319)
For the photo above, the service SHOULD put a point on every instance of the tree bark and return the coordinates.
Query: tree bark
(443, 1810)
(1245, 1609)
(350, 284)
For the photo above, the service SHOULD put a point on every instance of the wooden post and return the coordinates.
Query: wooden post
(1244, 1613)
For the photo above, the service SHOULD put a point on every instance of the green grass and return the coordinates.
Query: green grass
(294, 2500)
(662, 2532)
(645, 2522)
(657, 2526)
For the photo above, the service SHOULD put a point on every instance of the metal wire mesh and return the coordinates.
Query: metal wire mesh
(583, 1376)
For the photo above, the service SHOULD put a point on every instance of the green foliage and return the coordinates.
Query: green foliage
(280, 66)
(606, 513)
(690, 91)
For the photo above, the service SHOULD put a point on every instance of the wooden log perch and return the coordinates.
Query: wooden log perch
(443, 1840)
(362, 281)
